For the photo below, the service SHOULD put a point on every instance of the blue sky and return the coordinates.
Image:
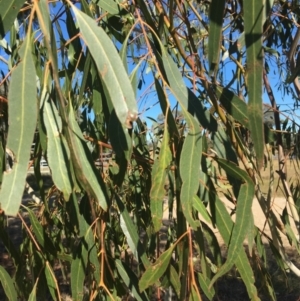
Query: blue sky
(148, 103)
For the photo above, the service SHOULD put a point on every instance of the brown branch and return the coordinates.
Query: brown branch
(292, 62)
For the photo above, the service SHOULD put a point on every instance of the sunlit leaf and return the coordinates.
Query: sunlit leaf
(84, 170)
(216, 13)
(159, 174)
(109, 5)
(57, 151)
(193, 138)
(243, 218)
(22, 119)
(234, 106)
(110, 67)
(189, 172)
(253, 36)
(8, 13)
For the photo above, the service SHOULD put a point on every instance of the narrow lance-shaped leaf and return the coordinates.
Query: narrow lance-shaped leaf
(110, 67)
(8, 13)
(22, 112)
(83, 159)
(159, 173)
(7, 285)
(243, 218)
(57, 152)
(189, 171)
(131, 233)
(253, 16)
(78, 274)
(51, 282)
(234, 106)
(131, 280)
(180, 91)
(225, 225)
(215, 32)
(155, 271)
(32, 296)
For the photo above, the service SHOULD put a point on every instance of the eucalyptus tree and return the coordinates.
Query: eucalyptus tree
(78, 72)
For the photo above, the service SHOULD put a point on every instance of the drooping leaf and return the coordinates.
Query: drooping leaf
(253, 37)
(234, 106)
(159, 174)
(193, 138)
(215, 32)
(189, 171)
(8, 285)
(131, 233)
(78, 275)
(57, 151)
(204, 284)
(110, 67)
(22, 113)
(84, 170)
(155, 271)
(32, 296)
(120, 138)
(51, 281)
(199, 206)
(39, 232)
(225, 225)
(243, 218)
(174, 280)
(8, 13)
(131, 280)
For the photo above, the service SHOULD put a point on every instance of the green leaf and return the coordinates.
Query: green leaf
(130, 280)
(234, 106)
(189, 172)
(22, 113)
(164, 104)
(192, 140)
(253, 36)
(110, 67)
(110, 6)
(131, 233)
(204, 284)
(37, 227)
(58, 154)
(159, 174)
(243, 218)
(155, 271)
(32, 296)
(78, 275)
(199, 206)
(51, 281)
(225, 225)
(8, 285)
(85, 172)
(8, 13)
(175, 280)
(119, 137)
(216, 13)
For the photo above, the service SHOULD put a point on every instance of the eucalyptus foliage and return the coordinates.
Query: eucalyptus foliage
(76, 79)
